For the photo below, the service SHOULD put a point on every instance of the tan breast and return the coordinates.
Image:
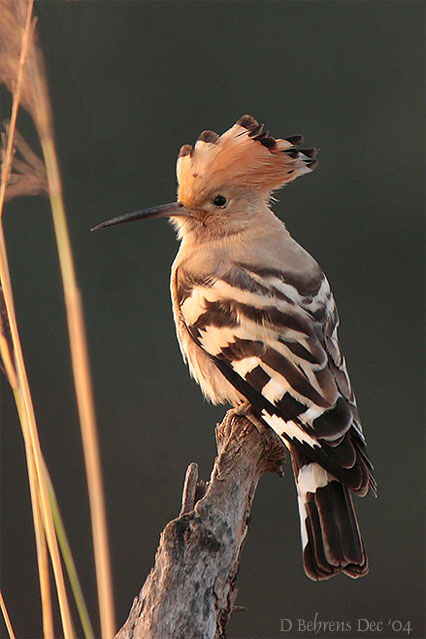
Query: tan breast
(213, 384)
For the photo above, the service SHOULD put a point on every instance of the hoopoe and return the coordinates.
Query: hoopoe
(257, 325)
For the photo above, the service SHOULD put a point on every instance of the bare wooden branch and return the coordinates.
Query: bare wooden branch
(193, 489)
(190, 592)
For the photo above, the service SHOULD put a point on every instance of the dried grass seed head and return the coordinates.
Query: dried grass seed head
(34, 92)
(28, 175)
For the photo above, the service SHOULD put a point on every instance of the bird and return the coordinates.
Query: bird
(257, 324)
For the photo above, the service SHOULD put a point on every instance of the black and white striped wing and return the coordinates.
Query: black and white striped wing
(274, 338)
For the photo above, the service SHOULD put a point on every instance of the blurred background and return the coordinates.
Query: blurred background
(130, 83)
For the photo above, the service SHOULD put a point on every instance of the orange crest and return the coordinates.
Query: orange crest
(245, 156)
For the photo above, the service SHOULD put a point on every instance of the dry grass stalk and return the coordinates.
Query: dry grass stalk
(34, 96)
(69, 561)
(42, 515)
(28, 175)
(6, 346)
(6, 617)
(8, 354)
(41, 544)
(13, 74)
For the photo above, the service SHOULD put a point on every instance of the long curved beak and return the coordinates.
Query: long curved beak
(165, 210)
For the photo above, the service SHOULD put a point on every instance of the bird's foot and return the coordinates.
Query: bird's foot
(242, 409)
(245, 409)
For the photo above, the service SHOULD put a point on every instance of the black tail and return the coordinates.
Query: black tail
(330, 535)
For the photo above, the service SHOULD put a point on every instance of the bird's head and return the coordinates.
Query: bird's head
(224, 180)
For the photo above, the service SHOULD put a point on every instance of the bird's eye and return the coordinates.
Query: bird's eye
(220, 200)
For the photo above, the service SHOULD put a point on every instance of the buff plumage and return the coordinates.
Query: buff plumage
(257, 324)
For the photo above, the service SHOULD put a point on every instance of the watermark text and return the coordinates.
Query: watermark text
(359, 625)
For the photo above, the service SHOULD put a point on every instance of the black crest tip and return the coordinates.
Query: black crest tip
(248, 122)
(268, 141)
(186, 149)
(257, 132)
(208, 136)
(310, 153)
(295, 139)
(312, 164)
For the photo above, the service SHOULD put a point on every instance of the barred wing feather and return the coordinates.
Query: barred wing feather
(275, 340)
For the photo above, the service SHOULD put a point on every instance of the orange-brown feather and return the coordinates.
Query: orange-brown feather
(244, 156)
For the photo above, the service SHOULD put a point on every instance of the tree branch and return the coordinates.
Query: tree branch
(190, 592)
